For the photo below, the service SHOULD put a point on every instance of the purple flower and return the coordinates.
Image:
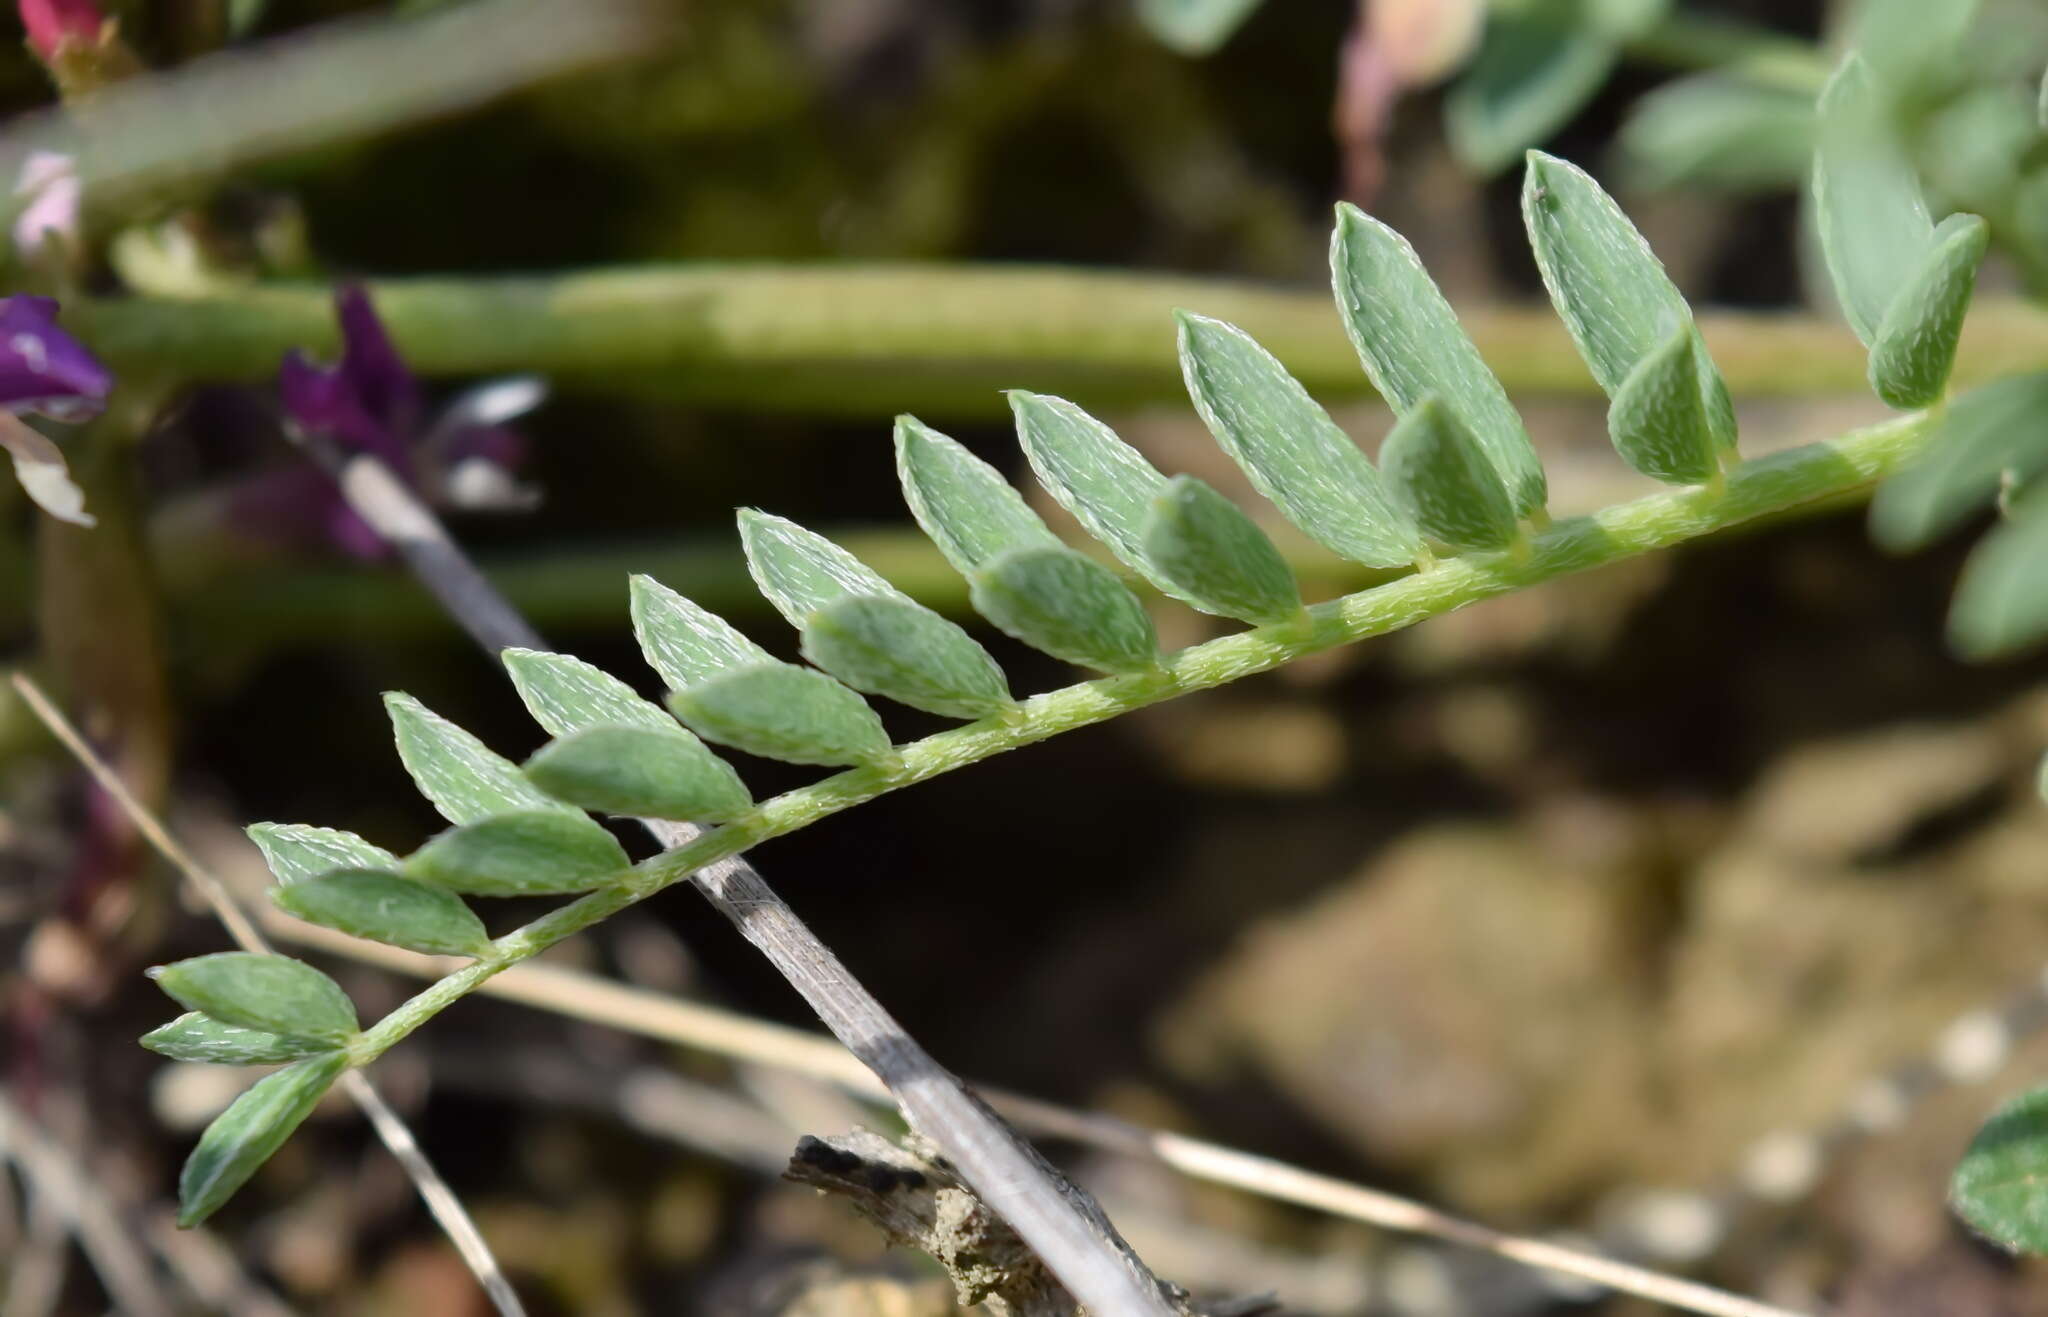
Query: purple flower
(45, 371)
(370, 402)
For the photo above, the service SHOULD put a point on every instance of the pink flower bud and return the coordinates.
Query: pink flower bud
(52, 24)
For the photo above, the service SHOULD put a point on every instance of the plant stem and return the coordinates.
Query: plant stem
(869, 340)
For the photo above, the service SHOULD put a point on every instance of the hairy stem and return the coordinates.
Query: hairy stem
(1756, 489)
(872, 340)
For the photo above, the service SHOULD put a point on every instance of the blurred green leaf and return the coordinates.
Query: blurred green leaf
(1194, 27)
(1069, 606)
(298, 851)
(1207, 546)
(780, 711)
(530, 853)
(687, 644)
(2001, 601)
(465, 780)
(244, 1136)
(1915, 347)
(195, 1036)
(1658, 421)
(887, 645)
(1995, 432)
(1287, 444)
(1412, 347)
(1536, 68)
(1608, 286)
(1874, 227)
(1718, 131)
(1435, 467)
(963, 504)
(566, 695)
(1997, 1187)
(384, 907)
(667, 774)
(271, 994)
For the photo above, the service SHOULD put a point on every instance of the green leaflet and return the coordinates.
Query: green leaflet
(194, 1036)
(531, 853)
(384, 907)
(271, 994)
(861, 629)
(1995, 429)
(687, 644)
(781, 711)
(886, 645)
(1435, 467)
(1997, 1185)
(464, 779)
(667, 774)
(298, 851)
(1874, 227)
(1915, 346)
(1719, 131)
(1534, 71)
(1290, 448)
(1095, 475)
(2001, 600)
(244, 1136)
(962, 503)
(1194, 27)
(1608, 287)
(1208, 547)
(1412, 347)
(1658, 421)
(566, 695)
(1069, 606)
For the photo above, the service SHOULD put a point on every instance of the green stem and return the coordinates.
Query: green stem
(873, 340)
(1757, 489)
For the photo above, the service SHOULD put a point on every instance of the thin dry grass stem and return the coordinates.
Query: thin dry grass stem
(434, 1191)
(690, 1024)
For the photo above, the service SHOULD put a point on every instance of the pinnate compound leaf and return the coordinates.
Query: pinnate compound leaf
(800, 571)
(1068, 606)
(683, 642)
(566, 695)
(1608, 286)
(244, 1136)
(1218, 556)
(383, 907)
(1412, 347)
(1994, 432)
(1435, 467)
(886, 645)
(1997, 1186)
(1533, 72)
(1287, 444)
(667, 774)
(1875, 229)
(781, 711)
(1658, 421)
(2001, 600)
(1915, 347)
(963, 504)
(298, 851)
(465, 780)
(271, 994)
(1194, 27)
(195, 1036)
(1095, 475)
(531, 853)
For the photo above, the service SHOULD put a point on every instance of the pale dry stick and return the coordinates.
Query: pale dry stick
(54, 1178)
(655, 1015)
(1056, 1218)
(441, 1200)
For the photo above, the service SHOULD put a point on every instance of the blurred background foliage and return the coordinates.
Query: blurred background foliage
(1565, 895)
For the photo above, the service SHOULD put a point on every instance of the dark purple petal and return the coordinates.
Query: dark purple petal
(382, 382)
(42, 368)
(322, 401)
(298, 507)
